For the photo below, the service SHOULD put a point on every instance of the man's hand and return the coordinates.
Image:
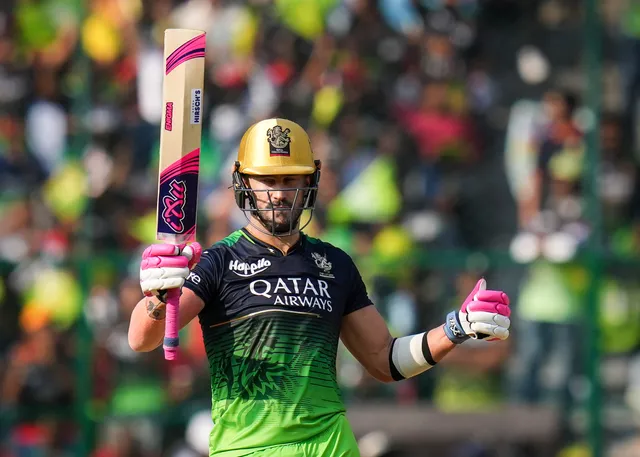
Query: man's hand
(484, 314)
(165, 266)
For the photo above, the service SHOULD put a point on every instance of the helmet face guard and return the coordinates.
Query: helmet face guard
(247, 201)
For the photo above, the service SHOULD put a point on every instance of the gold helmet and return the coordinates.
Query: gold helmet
(275, 147)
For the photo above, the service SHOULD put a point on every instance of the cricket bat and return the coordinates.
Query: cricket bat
(180, 138)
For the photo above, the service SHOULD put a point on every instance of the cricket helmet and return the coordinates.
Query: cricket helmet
(276, 147)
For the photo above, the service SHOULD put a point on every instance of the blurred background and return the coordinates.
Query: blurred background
(459, 138)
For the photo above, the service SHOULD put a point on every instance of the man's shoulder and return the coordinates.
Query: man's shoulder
(228, 241)
(327, 248)
(217, 251)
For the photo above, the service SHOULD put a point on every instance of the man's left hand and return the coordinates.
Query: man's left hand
(484, 314)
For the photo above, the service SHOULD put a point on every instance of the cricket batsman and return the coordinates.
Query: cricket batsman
(273, 303)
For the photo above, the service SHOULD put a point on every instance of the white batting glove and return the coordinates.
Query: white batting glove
(166, 266)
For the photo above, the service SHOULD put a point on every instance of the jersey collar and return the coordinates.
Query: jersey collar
(272, 249)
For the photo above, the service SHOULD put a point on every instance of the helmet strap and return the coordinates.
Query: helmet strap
(240, 186)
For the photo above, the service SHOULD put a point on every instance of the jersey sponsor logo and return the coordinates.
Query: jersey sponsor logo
(246, 270)
(194, 278)
(323, 264)
(300, 292)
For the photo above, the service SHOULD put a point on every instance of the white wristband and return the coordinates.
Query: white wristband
(408, 356)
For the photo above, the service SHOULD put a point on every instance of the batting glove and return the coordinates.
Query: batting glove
(166, 266)
(484, 314)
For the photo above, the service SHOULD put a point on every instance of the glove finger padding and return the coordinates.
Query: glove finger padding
(152, 287)
(488, 318)
(489, 307)
(487, 324)
(489, 330)
(192, 252)
(160, 249)
(177, 261)
(163, 273)
(496, 296)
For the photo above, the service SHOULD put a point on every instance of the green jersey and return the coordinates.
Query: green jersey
(271, 325)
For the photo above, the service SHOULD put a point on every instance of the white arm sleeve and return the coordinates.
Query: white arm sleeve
(408, 356)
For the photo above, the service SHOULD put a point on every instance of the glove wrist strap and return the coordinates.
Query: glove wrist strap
(453, 328)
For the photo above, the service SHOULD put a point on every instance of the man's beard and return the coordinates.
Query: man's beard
(283, 225)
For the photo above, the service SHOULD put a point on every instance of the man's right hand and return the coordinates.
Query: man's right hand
(166, 266)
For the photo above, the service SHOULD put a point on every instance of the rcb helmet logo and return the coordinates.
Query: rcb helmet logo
(279, 141)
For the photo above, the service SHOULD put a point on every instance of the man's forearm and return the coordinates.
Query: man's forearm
(484, 314)
(415, 354)
(146, 328)
(439, 344)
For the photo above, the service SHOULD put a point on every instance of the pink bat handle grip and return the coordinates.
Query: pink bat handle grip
(171, 339)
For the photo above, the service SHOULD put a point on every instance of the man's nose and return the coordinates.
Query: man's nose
(276, 196)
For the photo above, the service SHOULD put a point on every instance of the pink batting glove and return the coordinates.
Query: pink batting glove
(484, 314)
(166, 266)
(487, 312)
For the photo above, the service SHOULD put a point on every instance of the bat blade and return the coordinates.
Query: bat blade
(180, 135)
(180, 139)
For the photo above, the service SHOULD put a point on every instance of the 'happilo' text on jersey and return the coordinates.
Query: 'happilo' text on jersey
(271, 325)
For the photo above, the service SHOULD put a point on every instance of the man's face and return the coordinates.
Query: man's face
(279, 202)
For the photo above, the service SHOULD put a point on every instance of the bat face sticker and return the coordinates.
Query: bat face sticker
(173, 212)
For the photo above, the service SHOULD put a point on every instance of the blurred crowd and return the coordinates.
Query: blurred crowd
(445, 128)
